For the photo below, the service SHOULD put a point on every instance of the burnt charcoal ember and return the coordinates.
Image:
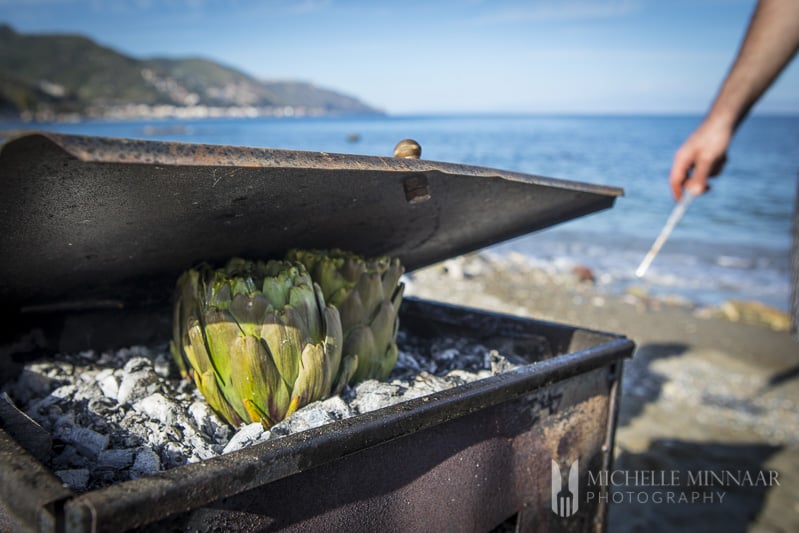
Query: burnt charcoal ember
(116, 415)
(438, 356)
(115, 459)
(147, 462)
(247, 435)
(372, 395)
(312, 416)
(88, 442)
(75, 478)
(139, 380)
(125, 414)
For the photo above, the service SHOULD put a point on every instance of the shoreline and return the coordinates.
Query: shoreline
(701, 392)
(512, 282)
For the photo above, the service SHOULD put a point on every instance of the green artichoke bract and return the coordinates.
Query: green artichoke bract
(257, 338)
(367, 294)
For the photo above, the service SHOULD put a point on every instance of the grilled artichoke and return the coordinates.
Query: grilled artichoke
(367, 294)
(258, 339)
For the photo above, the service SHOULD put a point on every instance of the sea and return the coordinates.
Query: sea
(733, 242)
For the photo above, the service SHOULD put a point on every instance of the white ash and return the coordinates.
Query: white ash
(124, 414)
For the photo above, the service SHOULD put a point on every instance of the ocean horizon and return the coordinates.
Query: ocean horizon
(733, 243)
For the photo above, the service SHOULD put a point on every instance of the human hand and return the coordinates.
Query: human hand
(701, 156)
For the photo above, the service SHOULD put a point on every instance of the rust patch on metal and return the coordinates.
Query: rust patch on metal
(417, 189)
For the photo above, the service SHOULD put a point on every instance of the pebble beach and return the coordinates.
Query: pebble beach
(707, 389)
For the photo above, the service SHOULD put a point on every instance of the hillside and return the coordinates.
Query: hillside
(53, 76)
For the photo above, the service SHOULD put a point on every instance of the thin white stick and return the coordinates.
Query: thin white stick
(676, 215)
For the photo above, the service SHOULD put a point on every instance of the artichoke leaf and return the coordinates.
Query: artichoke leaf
(334, 343)
(209, 387)
(328, 276)
(382, 326)
(352, 268)
(220, 331)
(277, 288)
(196, 351)
(284, 344)
(303, 302)
(308, 386)
(219, 293)
(361, 342)
(350, 308)
(249, 311)
(391, 277)
(186, 307)
(370, 289)
(349, 364)
(257, 382)
(389, 361)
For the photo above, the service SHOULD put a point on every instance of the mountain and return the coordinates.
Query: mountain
(54, 76)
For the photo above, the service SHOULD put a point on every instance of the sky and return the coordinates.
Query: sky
(429, 56)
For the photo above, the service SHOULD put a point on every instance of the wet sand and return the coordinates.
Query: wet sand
(702, 393)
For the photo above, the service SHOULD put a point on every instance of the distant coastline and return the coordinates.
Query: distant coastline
(67, 78)
(132, 112)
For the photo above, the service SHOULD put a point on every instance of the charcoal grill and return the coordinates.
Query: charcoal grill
(95, 232)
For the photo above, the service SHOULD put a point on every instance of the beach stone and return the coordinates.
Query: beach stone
(752, 312)
(583, 274)
(637, 292)
(706, 312)
(677, 300)
(454, 268)
(476, 266)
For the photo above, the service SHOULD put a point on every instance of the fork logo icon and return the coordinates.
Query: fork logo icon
(565, 500)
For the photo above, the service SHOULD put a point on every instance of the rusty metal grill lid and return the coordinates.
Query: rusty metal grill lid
(92, 222)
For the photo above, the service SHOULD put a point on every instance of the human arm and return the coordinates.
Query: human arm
(770, 42)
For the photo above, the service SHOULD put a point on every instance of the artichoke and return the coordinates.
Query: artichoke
(367, 294)
(258, 339)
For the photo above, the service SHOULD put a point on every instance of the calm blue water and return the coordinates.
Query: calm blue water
(732, 243)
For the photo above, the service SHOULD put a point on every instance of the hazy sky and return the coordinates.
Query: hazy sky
(414, 56)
